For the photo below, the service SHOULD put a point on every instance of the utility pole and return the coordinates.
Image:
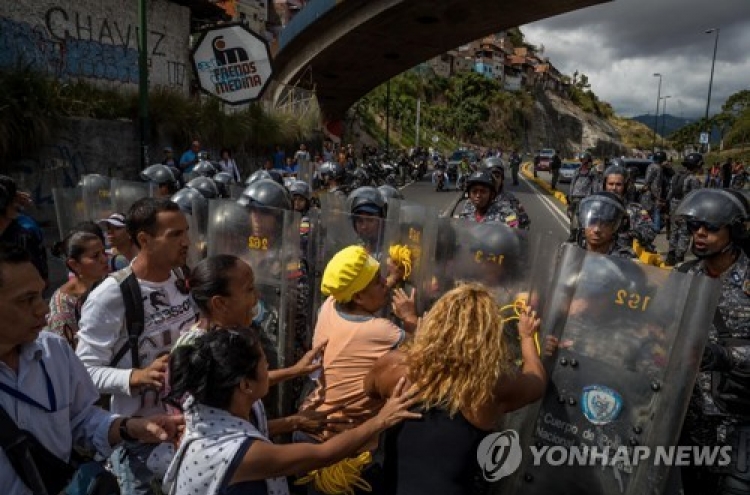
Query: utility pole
(711, 82)
(419, 106)
(656, 117)
(143, 81)
(663, 118)
(388, 118)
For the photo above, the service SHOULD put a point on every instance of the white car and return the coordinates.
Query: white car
(568, 170)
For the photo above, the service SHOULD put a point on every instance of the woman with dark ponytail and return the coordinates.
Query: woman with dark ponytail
(223, 288)
(86, 259)
(225, 374)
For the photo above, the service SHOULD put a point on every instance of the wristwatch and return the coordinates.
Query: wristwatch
(124, 431)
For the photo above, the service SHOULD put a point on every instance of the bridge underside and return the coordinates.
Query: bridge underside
(361, 44)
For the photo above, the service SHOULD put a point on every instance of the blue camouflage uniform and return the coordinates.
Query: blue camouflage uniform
(505, 208)
(679, 237)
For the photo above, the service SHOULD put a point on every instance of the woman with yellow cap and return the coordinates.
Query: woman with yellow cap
(356, 337)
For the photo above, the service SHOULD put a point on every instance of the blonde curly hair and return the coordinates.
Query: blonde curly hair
(459, 354)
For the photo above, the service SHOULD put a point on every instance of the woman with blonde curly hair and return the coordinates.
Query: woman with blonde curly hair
(465, 379)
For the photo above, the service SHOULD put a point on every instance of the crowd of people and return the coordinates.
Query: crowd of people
(215, 337)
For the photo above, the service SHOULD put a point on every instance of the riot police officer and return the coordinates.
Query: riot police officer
(368, 209)
(163, 178)
(600, 216)
(637, 224)
(654, 192)
(333, 174)
(585, 181)
(719, 411)
(482, 207)
(206, 186)
(507, 201)
(681, 185)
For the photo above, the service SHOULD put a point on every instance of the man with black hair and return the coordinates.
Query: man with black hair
(44, 388)
(11, 230)
(719, 410)
(159, 229)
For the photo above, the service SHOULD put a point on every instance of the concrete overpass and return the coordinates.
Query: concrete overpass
(345, 48)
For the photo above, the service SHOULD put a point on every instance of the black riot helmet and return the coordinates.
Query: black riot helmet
(206, 186)
(616, 162)
(95, 182)
(188, 198)
(258, 175)
(614, 169)
(367, 200)
(497, 246)
(389, 192)
(300, 188)
(660, 157)
(158, 174)
(693, 161)
(204, 168)
(601, 207)
(266, 192)
(223, 180)
(483, 177)
(714, 209)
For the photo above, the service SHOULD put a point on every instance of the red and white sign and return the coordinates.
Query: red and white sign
(232, 63)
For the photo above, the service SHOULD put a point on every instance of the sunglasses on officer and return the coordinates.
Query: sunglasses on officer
(695, 225)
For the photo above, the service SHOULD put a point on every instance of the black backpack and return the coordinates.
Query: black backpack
(678, 185)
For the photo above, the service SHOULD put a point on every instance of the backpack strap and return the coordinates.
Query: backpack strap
(135, 318)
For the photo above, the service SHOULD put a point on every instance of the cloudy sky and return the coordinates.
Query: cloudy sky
(620, 45)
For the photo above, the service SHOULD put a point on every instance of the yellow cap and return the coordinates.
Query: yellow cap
(348, 272)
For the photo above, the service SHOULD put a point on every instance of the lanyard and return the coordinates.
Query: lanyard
(28, 400)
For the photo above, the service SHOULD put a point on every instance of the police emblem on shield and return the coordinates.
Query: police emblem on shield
(600, 404)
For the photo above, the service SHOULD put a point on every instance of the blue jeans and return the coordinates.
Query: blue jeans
(656, 218)
(129, 464)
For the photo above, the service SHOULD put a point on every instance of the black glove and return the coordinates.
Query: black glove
(715, 358)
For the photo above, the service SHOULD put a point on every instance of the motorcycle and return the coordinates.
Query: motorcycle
(416, 172)
(439, 179)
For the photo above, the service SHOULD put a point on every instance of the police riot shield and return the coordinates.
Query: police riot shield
(268, 240)
(412, 235)
(235, 190)
(124, 193)
(198, 230)
(97, 199)
(69, 208)
(339, 229)
(625, 345)
(306, 171)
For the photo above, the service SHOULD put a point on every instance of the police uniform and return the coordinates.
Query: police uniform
(582, 185)
(707, 421)
(653, 188)
(679, 237)
(639, 227)
(505, 209)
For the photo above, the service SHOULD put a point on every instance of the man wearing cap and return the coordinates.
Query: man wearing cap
(356, 337)
(122, 249)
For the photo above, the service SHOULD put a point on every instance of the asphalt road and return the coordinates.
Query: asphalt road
(547, 215)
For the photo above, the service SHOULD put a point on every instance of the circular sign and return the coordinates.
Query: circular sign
(232, 63)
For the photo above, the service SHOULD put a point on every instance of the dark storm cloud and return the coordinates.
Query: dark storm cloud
(619, 45)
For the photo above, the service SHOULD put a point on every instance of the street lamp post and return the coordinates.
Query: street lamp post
(663, 118)
(656, 117)
(711, 80)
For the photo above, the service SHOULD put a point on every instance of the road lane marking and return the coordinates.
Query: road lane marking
(551, 206)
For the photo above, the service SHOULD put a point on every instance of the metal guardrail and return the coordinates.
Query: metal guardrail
(314, 10)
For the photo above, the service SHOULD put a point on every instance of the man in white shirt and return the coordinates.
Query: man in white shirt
(44, 388)
(159, 229)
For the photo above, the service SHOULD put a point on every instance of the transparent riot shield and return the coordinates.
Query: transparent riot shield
(69, 208)
(268, 240)
(235, 190)
(338, 229)
(124, 193)
(629, 340)
(306, 171)
(412, 235)
(198, 230)
(97, 198)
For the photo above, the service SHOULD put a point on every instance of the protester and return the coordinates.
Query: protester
(465, 380)
(226, 447)
(86, 259)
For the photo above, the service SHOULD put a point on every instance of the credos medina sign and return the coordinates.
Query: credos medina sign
(232, 63)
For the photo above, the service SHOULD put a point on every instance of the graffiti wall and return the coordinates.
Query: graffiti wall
(82, 146)
(96, 39)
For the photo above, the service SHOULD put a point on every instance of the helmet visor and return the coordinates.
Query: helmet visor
(600, 212)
